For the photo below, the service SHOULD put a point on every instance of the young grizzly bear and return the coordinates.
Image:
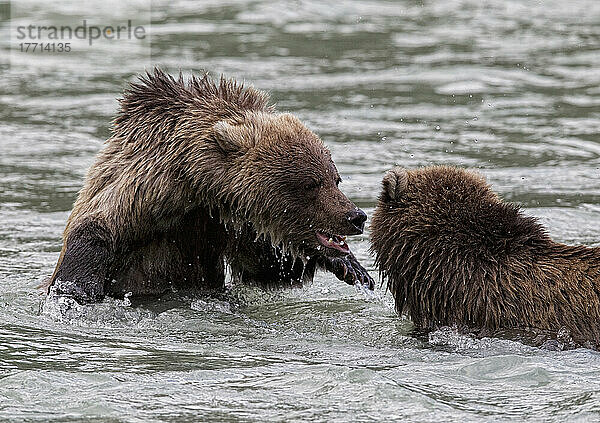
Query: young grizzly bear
(198, 174)
(455, 254)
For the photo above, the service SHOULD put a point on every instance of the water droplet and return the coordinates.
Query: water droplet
(437, 127)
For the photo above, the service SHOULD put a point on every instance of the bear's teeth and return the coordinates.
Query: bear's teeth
(330, 240)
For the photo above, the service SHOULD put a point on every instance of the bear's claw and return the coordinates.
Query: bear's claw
(349, 270)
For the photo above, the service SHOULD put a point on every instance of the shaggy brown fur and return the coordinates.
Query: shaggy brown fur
(197, 174)
(455, 254)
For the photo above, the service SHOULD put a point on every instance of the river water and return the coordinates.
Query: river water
(509, 87)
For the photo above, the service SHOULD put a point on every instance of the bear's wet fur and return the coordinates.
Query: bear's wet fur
(198, 175)
(454, 254)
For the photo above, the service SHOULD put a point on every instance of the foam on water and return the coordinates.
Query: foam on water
(109, 313)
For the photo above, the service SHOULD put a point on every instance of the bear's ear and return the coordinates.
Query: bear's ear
(235, 138)
(395, 182)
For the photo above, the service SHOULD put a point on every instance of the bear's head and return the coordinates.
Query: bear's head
(284, 182)
(442, 205)
(440, 231)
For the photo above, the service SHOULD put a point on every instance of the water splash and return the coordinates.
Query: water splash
(108, 313)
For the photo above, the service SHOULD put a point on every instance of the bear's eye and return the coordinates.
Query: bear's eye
(312, 185)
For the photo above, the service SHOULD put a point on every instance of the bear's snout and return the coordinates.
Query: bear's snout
(357, 219)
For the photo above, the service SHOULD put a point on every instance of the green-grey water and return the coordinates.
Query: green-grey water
(509, 87)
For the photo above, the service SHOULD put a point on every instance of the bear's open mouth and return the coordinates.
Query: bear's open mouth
(336, 242)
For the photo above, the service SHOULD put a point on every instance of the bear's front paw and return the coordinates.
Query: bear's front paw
(81, 293)
(349, 270)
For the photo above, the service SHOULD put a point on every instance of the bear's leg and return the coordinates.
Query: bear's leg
(201, 239)
(203, 263)
(83, 269)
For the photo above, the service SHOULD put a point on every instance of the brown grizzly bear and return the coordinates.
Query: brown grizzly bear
(197, 175)
(455, 254)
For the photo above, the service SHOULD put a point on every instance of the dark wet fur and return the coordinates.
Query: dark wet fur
(454, 254)
(198, 175)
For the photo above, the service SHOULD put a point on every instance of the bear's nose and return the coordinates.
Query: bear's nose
(357, 218)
